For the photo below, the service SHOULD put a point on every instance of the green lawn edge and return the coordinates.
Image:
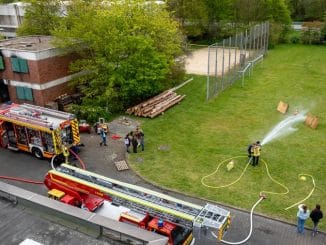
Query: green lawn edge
(198, 135)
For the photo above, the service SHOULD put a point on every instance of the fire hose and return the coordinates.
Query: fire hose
(83, 166)
(22, 180)
(261, 197)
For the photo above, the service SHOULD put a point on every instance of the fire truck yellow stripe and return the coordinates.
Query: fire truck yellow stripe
(137, 188)
(57, 141)
(75, 131)
(126, 197)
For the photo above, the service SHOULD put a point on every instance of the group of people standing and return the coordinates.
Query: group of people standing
(303, 214)
(135, 139)
(254, 153)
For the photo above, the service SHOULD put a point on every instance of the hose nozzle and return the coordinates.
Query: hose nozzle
(263, 196)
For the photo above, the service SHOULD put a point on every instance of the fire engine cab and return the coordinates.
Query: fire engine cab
(171, 217)
(43, 132)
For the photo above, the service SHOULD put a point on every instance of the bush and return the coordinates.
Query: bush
(294, 37)
(275, 33)
(90, 113)
(311, 36)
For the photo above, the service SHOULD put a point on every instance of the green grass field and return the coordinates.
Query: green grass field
(197, 136)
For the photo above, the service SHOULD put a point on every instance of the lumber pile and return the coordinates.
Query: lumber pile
(156, 105)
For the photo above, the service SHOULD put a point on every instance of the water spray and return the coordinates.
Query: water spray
(284, 127)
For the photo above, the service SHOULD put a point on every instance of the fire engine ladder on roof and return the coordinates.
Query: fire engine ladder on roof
(157, 199)
(14, 115)
(47, 111)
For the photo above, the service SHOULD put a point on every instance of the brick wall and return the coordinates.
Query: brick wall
(41, 97)
(41, 71)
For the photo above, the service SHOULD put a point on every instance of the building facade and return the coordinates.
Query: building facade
(33, 71)
(11, 17)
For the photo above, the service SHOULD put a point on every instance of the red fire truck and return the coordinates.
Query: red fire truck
(147, 209)
(38, 130)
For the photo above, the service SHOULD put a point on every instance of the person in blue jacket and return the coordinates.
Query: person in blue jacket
(303, 215)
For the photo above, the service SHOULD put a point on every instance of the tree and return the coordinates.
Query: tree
(7, 1)
(303, 10)
(128, 48)
(41, 17)
(314, 9)
(192, 14)
(323, 30)
(262, 10)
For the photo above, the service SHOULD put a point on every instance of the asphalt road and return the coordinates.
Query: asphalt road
(101, 160)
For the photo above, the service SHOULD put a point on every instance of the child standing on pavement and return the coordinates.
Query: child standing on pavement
(127, 142)
(103, 137)
(315, 216)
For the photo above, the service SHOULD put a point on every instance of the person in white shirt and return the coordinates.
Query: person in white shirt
(303, 215)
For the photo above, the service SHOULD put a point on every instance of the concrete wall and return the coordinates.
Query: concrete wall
(78, 219)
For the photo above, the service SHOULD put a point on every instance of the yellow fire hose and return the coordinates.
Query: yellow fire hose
(262, 193)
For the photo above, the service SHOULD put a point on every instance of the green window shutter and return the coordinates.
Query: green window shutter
(23, 65)
(24, 93)
(2, 65)
(15, 64)
(28, 94)
(20, 93)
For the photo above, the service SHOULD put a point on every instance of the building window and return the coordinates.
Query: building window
(19, 65)
(24, 93)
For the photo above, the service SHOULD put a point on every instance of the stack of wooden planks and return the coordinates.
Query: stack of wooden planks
(156, 105)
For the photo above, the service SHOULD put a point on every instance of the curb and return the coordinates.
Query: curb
(207, 200)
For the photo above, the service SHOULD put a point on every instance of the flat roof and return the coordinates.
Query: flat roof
(28, 43)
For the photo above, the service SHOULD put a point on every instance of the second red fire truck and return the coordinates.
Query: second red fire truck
(171, 217)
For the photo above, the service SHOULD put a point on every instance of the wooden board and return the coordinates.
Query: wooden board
(312, 121)
(121, 165)
(282, 107)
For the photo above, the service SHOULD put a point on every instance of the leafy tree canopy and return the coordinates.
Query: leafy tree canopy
(203, 17)
(7, 1)
(307, 9)
(41, 16)
(128, 48)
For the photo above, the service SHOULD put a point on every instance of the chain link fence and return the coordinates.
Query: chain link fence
(235, 57)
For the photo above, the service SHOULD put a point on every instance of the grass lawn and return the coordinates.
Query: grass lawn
(198, 135)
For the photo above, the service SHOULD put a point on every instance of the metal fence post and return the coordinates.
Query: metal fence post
(207, 82)
(222, 81)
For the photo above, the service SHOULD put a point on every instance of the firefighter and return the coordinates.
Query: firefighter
(256, 153)
(250, 149)
(65, 153)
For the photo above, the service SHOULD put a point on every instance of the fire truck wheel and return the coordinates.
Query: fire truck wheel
(37, 153)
